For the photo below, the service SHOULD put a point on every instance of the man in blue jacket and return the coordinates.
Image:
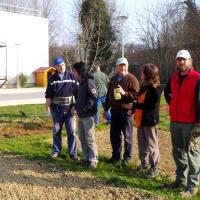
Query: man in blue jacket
(59, 96)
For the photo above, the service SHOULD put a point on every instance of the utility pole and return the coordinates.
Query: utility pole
(122, 20)
(17, 57)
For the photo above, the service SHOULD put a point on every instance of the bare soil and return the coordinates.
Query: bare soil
(23, 179)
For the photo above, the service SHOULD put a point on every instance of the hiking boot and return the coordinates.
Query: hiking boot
(140, 168)
(75, 158)
(152, 173)
(189, 193)
(55, 155)
(93, 165)
(84, 162)
(112, 160)
(175, 185)
(126, 162)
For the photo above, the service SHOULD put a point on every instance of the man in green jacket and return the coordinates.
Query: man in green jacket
(101, 82)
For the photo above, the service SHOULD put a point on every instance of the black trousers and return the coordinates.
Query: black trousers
(121, 123)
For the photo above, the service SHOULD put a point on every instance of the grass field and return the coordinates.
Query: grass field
(26, 131)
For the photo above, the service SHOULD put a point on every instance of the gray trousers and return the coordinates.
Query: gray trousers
(86, 129)
(187, 159)
(148, 145)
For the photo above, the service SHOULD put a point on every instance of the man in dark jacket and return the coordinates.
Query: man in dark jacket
(122, 91)
(86, 100)
(182, 93)
(59, 96)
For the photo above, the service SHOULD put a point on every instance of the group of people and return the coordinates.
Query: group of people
(123, 99)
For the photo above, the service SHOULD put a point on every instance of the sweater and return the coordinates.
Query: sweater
(131, 87)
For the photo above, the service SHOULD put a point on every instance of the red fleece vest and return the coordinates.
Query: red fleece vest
(183, 101)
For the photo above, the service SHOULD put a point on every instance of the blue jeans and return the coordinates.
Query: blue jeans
(108, 116)
(59, 118)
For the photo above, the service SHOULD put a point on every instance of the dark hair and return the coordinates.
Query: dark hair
(151, 75)
(81, 69)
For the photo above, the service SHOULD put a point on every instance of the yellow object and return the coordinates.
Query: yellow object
(42, 75)
(117, 95)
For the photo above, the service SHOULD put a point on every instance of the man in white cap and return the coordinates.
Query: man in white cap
(122, 91)
(182, 93)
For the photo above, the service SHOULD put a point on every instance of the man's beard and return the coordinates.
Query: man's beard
(183, 68)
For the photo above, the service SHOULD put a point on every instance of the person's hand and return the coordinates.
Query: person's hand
(130, 105)
(73, 110)
(104, 114)
(121, 90)
(48, 113)
(129, 112)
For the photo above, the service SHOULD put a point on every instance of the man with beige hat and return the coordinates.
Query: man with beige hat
(182, 93)
(122, 91)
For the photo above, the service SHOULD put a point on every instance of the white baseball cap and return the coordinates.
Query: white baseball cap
(183, 54)
(122, 61)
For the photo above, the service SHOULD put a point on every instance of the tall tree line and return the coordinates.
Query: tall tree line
(165, 29)
(97, 35)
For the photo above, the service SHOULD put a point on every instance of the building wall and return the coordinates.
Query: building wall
(26, 38)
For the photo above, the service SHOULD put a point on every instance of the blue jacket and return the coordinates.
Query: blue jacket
(86, 99)
(61, 88)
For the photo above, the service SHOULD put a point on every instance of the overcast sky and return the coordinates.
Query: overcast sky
(130, 8)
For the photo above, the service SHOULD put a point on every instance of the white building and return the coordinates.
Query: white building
(23, 46)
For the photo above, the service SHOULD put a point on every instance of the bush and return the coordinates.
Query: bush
(22, 79)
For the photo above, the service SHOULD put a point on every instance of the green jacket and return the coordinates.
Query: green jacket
(101, 82)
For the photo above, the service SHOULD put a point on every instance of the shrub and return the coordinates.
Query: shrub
(22, 79)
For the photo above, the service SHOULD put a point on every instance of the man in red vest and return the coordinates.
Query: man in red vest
(182, 93)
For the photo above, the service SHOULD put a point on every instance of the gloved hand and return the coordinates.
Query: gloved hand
(48, 113)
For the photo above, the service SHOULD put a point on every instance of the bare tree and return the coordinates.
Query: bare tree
(85, 35)
(161, 34)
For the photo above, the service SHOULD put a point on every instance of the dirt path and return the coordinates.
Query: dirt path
(26, 180)
(22, 179)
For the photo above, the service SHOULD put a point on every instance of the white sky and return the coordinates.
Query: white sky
(130, 8)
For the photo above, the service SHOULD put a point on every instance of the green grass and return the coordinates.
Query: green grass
(164, 122)
(32, 109)
(37, 148)
(162, 100)
(164, 116)
(26, 117)
(10, 113)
